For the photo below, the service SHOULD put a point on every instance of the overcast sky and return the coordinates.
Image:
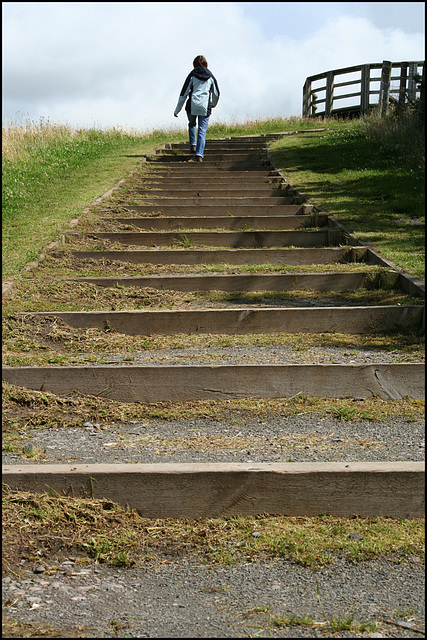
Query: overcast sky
(122, 64)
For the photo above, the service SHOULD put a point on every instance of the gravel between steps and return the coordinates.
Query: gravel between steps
(254, 354)
(191, 599)
(303, 438)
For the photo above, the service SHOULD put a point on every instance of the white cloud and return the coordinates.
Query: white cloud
(123, 64)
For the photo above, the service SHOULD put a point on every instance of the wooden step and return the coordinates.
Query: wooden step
(183, 383)
(219, 152)
(344, 281)
(217, 490)
(209, 210)
(201, 171)
(225, 180)
(226, 162)
(244, 320)
(212, 192)
(233, 160)
(220, 144)
(285, 256)
(271, 223)
(236, 239)
(226, 201)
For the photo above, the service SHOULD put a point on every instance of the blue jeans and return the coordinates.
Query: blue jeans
(200, 141)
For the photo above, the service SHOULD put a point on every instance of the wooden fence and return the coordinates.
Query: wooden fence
(361, 88)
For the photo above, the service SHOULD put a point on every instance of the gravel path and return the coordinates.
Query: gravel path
(255, 354)
(303, 438)
(184, 599)
(190, 598)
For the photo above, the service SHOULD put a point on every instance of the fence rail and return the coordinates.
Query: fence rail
(363, 88)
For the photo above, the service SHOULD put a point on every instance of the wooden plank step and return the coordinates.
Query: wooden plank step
(163, 163)
(237, 239)
(175, 210)
(258, 143)
(218, 147)
(211, 177)
(226, 180)
(237, 282)
(216, 490)
(354, 320)
(285, 256)
(201, 171)
(227, 153)
(229, 163)
(205, 192)
(263, 139)
(257, 151)
(226, 201)
(182, 383)
(272, 223)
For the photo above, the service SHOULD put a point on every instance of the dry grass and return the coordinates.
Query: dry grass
(55, 527)
(23, 409)
(30, 340)
(20, 140)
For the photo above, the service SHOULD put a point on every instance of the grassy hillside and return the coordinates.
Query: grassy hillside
(369, 175)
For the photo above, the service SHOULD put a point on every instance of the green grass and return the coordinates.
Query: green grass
(51, 173)
(267, 125)
(333, 625)
(369, 175)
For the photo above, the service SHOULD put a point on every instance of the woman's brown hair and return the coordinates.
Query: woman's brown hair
(200, 61)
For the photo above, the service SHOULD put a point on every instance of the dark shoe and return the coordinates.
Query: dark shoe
(198, 158)
(193, 149)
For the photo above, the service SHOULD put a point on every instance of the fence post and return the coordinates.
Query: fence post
(385, 87)
(412, 85)
(364, 88)
(305, 98)
(402, 87)
(329, 93)
(422, 103)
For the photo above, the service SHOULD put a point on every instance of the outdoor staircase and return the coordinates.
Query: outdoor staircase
(234, 208)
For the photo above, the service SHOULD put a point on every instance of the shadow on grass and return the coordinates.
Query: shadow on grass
(369, 191)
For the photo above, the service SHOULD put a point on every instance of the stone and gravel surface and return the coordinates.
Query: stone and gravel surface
(254, 354)
(303, 438)
(190, 599)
